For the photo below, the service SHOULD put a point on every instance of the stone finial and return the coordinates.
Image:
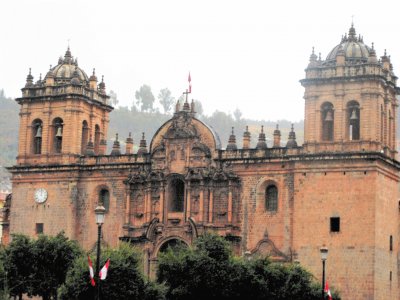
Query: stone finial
(89, 151)
(129, 144)
(192, 107)
(116, 147)
(142, 146)
(102, 85)
(261, 140)
(232, 142)
(102, 146)
(372, 55)
(177, 106)
(186, 106)
(93, 80)
(352, 33)
(385, 61)
(277, 137)
(75, 77)
(68, 56)
(246, 138)
(29, 79)
(313, 59)
(291, 143)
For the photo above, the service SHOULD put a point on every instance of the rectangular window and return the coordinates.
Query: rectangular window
(391, 243)
(39, 228)
(335, 224)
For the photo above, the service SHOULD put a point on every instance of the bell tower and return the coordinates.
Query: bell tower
(350, 99)
(61, 114)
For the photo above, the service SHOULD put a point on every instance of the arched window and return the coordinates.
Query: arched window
(353, 120)
(37, 128)
(177, 195)
(104, 199)
(271, 198)
(57, 135)
(85, 136)
(96, 139)
(328, 120)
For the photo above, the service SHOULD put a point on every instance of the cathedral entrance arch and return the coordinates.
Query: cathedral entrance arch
(162, 246)
(171, 243)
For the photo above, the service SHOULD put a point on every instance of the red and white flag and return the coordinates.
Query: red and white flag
(91, 273)
(104, 270)
(328, 291)
(190, 84)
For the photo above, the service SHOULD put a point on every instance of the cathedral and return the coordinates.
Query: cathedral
(339, 189)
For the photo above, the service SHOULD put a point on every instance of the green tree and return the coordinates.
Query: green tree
(209, 271)
(166, 100)
(4, 292)
(18, 265)
(113, 98)
(145, 98)
(53, 256)
(237, 113)
(124, 278)
(197, 273)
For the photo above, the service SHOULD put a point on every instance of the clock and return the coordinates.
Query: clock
(40, 195)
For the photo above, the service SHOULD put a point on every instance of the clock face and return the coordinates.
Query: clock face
(40, 195)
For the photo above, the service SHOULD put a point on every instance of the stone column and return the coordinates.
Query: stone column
(188, 206)
(210, 205)
(162, 208)
(230, 203)
(127, 205)
(201, 202)
(148, 202)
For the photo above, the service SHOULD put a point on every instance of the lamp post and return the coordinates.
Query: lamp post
(100, 214)
(324, 256)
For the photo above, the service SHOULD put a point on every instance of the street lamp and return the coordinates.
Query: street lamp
(247, 255)
(100, 214)
(324, 256)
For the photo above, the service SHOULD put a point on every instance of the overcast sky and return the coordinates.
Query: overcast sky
(241, 54)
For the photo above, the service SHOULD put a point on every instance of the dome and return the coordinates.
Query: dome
(352, 47)
(65, 69)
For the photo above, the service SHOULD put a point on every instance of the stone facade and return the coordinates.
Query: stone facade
(339, 189)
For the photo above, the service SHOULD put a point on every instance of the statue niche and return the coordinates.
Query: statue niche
(176, 195)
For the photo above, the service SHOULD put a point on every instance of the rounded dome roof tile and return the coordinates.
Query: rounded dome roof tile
(353, 48)
(63, 72)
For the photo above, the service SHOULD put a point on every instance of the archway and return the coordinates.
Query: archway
(173, 244)
(152, 259)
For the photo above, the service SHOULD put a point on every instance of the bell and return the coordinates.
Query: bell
(329, 117)
(59, 133)
(354, 115)
(39, 132)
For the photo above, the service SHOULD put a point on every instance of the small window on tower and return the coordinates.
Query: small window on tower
(39, 228)
(335, 224)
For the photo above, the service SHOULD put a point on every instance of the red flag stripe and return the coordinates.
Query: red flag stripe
(91, 273)
(104, 270)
